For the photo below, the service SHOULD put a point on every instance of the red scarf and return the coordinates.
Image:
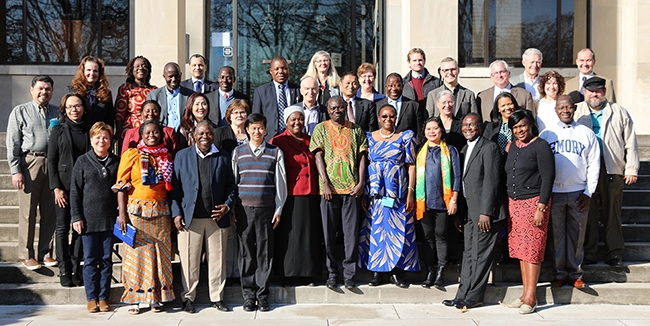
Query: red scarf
(164, 165)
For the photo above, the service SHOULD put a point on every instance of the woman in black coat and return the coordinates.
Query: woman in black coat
(68, 140)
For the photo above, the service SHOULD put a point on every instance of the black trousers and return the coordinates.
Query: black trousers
(341, 211)
(69, 251)
(434, 227)
(256, 248)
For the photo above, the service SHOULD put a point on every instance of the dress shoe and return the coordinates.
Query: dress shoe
(514, 304)
(31, 264)
(92, 306)
(527, 309)
(428, 282)
(264, 305)
(104, 306)
(438, 283)
(617, 261)
(49, 262)
(188, 306)
(349, 284)
(249, 305)
(394, 279)
(376, 279)
(451, 303)
(219, 305)
(469, 304)
(557, 283)
(579, 284)
(77, 280)
(66, 280)
(331, 283)
(589, 262)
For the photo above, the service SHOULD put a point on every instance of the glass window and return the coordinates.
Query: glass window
(56, 31)
(504, 29)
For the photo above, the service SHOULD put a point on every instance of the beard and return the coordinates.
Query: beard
(596, 103)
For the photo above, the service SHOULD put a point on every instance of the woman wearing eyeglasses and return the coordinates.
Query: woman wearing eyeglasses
(387, 237)
(68, 140)
(320, 67)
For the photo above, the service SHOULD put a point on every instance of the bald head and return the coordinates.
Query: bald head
(172, 74)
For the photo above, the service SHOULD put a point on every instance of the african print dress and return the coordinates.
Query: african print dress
(387, 237)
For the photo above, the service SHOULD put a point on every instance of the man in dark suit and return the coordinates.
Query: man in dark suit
(410, 116)
(271, 99)
(203, 194)
(500, 76)
(172, 99)
(585, 61)
(359, 111)
(198, 83)
(314, 111)
(485, 214)
(221, 99)
(464, 99)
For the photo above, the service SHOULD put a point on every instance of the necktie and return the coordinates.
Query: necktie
(225, 95)
(350, 111)
(282, 104)
(197, 86)
(582, 86)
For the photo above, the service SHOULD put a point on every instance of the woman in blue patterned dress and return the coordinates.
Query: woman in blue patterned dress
(387, 238)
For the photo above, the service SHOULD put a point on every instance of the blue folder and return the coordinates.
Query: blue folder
(127, 237)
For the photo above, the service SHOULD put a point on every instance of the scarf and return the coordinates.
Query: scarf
(163, 171)
(420, 178)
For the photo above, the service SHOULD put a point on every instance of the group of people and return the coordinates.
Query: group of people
(268, 188)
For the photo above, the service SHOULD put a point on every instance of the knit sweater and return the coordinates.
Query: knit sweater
(577, 157)
(530, 171)
(91, 197)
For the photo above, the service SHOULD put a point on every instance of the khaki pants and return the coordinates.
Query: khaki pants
(189, 248)
(35, 194)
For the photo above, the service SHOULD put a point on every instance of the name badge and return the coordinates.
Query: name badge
(387, 202)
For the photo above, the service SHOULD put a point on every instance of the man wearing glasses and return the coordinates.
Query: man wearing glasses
(500, 76)
(464, 99)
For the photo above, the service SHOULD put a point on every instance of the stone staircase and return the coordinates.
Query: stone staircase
(629, 284)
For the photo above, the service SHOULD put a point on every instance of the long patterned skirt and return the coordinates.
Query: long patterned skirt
(146, 268)
(387, 238)
(526, 241)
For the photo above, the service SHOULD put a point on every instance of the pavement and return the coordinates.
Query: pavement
(332, 315)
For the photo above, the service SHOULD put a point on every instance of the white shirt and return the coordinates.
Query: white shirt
(532, 87)
(470, 148)
(398, 106)
(581, 81)
(354, 109)
(498, 91)
(202, 83)
(546, 115)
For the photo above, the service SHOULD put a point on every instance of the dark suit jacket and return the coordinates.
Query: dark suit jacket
(185, 180)
(485, 101)
(365, 114)
(60, 158)
(215, 110)
(455, 135)
(265, 101)
(481, 180)
(160, 95)
(100, 111)
(208, 85)
(464, 102)
(411, 116)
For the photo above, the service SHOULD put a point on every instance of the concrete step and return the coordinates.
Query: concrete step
(636, 232)
(644, 167)
(9, 232)
(636, 197)
(9, 214)
(634, 251)
(643, 182)
(5, 181)
(15, 273)
(8, 197)
(4, 166)
(597, 293)
(636, 214)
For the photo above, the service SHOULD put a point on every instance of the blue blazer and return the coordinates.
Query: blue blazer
(185, 181)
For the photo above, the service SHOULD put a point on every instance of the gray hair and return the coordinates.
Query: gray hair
(530, 51)
(505, 64)
(443, 93)
(449, 59)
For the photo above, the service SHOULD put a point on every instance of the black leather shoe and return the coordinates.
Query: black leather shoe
(589, 262)
(349, 284)
(188, 306)
(219, 305)
(451, 303)
(77, 279)
(428, 282)
(376, 279)
(66, 280)
(264, 305)
(617, 261)
(249, 305)
(438, 283)
(469, 304)
(331, 283)
(398, 282)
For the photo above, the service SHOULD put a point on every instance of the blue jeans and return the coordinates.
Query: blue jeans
(98, 265)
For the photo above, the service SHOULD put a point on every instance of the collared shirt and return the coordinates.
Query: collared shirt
(468, 154)
(311, 117)
(582, 79)
(352, 103)
(286, 93)
(281, 191)
(224, 102)
(28, 130)
(202, 80)
(213, 150)
(596, 122)
(417, 75)
(397, 104)
(173, 110)
(532, 87)
(498, 91)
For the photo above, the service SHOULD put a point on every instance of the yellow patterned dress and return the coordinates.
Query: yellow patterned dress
(146, 268)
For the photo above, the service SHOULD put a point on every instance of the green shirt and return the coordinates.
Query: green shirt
(341, 146)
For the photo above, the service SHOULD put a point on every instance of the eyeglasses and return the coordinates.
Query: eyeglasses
(446, 71)
(238, 113)
(497, 73)
(75, 107)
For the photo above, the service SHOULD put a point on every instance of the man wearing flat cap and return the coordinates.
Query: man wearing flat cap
(619, 165)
